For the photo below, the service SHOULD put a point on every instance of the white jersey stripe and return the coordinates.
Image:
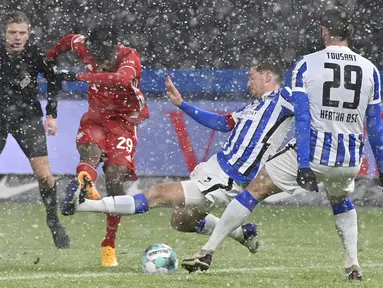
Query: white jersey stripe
(262, 126)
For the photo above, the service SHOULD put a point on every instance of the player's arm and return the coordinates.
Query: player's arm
(215, 121)
(375, 124)
(62, 46)
(302, 114)
(124, 75)
(375, 133)
(47, 68)
(287, 101)
(305, 176)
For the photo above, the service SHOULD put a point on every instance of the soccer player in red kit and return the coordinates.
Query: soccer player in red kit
(108, 130)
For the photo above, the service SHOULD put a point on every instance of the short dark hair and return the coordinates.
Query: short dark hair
(16, 17)
(272, 65)
(102, 40)
(338, 22)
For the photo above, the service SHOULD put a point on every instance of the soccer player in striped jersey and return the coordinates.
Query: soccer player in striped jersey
(257, 130)
(334, 91)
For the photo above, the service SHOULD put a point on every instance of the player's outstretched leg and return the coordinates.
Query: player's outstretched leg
(161, 195)
(188, 219)
(347, 228)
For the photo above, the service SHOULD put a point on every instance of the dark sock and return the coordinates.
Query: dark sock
(49, 198)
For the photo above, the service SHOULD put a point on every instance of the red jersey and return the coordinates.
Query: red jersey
(110, 93)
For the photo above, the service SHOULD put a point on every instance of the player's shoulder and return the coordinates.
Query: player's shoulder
(366, 62)
(313, 55)
(286, 94)
(286, 91)
(34, 51)
(125, 51)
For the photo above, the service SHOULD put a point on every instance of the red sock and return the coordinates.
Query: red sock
(112, 222)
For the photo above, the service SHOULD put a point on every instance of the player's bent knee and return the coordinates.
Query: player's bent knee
(336, 199)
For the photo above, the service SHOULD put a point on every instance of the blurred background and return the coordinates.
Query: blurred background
(205, 34)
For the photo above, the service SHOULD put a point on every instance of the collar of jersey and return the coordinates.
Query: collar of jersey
(337, 46)
(261, 99)
(268, 95)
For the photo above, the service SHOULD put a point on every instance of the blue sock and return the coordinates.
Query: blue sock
(140, 203)
(342, 207)
(200, 226)
(247, 200)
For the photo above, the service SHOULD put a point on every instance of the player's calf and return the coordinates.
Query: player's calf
(165, 195)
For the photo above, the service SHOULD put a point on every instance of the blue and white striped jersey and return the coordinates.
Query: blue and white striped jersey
(339, 84)
(260, 128)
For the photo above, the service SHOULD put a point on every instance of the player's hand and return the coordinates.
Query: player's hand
(307, 179)
(66, 75)
(50, 126)
(173, 94)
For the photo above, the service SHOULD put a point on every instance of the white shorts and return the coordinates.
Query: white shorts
(282, 169)
(209, 186)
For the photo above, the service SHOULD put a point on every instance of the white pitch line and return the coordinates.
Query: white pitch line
(212, 271)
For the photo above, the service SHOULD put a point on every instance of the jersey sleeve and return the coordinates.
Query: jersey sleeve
(298, 81)
(376, 89)
(302, 113)
(64, 45)
(127, 70)
(47, 68)
(287, 99)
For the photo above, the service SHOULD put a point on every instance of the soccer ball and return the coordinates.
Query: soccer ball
(159, 258)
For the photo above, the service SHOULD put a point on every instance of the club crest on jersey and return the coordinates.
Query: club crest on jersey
(25, 82)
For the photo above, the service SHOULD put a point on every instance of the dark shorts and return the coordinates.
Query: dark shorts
(29, 134)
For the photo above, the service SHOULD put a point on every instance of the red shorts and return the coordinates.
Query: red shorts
(115, 136)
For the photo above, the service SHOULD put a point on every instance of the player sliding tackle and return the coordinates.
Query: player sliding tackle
(258, 130)
(326, 149)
